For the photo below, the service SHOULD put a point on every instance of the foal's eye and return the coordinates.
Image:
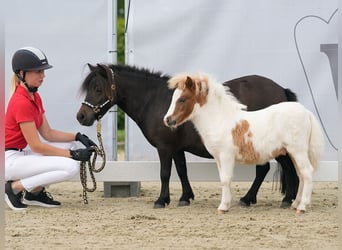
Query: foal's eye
(181, 100)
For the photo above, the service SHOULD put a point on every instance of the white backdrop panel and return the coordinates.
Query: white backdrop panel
(277, 39)
(72, 34)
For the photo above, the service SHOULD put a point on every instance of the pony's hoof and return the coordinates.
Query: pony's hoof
(285, 204)
(183, 203)
(244, 204)
(298, 211)
(221, 211)
(158, 206)
(292, 207)
(247, 201)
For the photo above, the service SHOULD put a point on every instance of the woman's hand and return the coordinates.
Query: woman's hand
(82, 154)
(84, 140)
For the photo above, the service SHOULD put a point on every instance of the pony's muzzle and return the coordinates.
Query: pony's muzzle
(83, 118)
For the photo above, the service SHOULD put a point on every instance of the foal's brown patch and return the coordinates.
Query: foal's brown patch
(242, 138)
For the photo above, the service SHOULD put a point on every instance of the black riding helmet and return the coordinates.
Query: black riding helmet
(29, 59)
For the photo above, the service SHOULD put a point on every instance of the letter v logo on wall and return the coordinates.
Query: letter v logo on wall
(316, 41)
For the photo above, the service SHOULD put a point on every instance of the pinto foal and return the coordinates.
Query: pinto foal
(232, 134)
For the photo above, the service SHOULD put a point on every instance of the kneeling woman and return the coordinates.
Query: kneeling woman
(29, 170)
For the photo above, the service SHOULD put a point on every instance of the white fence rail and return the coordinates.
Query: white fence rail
(136, 171)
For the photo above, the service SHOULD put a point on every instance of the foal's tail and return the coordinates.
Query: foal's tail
(316, 143)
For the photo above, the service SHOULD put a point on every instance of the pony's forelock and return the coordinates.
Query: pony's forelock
(85, 85)
(96, 71)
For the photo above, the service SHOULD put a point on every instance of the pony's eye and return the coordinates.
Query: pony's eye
(98, 90)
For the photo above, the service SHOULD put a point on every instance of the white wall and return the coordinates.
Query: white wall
(278, 39)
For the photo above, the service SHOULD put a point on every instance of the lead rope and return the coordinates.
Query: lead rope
(99, 151)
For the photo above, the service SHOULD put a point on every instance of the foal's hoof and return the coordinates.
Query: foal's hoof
(292, 207)
(221, 211)
(285, 204)
(183, 203)
(298, 211)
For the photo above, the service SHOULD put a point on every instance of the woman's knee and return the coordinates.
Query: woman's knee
(72, 167)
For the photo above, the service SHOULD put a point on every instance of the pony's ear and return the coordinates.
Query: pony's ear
(188, 82)
(102, 70)
(91, 67)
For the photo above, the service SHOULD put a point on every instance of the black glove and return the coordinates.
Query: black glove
(82, 154)
(84, 140)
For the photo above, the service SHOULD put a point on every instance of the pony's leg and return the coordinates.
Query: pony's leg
(187, 193)
(260, 173)
(225, 166)
(165, 173)
(305, 172)
(289, 180)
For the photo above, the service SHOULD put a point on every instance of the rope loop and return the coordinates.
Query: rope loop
(91, 164)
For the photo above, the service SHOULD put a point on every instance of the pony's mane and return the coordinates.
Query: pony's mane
(205, 85)
(138, 71)
(133, 71)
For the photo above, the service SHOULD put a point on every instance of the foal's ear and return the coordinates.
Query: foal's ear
(91, 67)
(188, 82)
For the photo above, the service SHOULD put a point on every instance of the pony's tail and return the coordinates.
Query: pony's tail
(290, 96)
(316, 144)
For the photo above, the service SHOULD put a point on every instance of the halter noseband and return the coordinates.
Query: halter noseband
(100, 110)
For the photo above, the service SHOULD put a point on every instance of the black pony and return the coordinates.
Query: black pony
(144, 96)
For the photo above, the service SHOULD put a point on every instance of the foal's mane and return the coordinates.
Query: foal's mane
(206, 85)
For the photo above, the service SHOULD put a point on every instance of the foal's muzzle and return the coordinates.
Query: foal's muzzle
(169, 122)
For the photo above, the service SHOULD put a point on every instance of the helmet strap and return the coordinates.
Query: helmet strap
(30, 89)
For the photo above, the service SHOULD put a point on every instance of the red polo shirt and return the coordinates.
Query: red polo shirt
(21, 108)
